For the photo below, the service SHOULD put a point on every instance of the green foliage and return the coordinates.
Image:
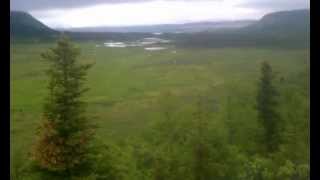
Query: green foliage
(267, 103)
(303, 171)
(286, 171)
(146, 133)
(107, 163)
(64, 135)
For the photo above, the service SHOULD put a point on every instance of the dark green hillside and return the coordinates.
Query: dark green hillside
(286, 24)
(23, 25)
(285, 21)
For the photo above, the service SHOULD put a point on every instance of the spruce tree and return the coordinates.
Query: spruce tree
(64, 134)
(267, 105)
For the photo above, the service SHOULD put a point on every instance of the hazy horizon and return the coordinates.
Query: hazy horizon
(110, 13)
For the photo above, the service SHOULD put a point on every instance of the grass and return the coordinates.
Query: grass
(126, 84)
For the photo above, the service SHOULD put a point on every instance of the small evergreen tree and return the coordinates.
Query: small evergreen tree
(267, 112)
(64, 135)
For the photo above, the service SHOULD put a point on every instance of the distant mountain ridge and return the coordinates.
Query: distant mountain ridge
(283, 21)
(167, 28)
(285, 28)
(288, 28)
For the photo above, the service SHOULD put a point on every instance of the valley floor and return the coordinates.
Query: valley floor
(129, 89)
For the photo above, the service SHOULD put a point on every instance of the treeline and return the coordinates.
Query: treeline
(261, 137)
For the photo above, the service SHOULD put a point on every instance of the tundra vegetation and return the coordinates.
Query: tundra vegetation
(199, 113)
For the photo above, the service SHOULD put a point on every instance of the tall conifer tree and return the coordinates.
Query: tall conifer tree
(267, 109)
(64, 135)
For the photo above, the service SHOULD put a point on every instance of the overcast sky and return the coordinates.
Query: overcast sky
(85, 13)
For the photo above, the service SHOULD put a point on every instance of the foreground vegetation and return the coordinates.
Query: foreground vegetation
(173, 114)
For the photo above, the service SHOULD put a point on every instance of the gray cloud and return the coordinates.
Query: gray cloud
(276, 4)
(29, 5)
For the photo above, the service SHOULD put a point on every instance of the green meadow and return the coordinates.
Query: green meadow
(130, 88)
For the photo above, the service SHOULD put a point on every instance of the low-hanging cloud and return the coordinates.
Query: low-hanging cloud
(275, 5)
(80, 13)
(30, 5)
